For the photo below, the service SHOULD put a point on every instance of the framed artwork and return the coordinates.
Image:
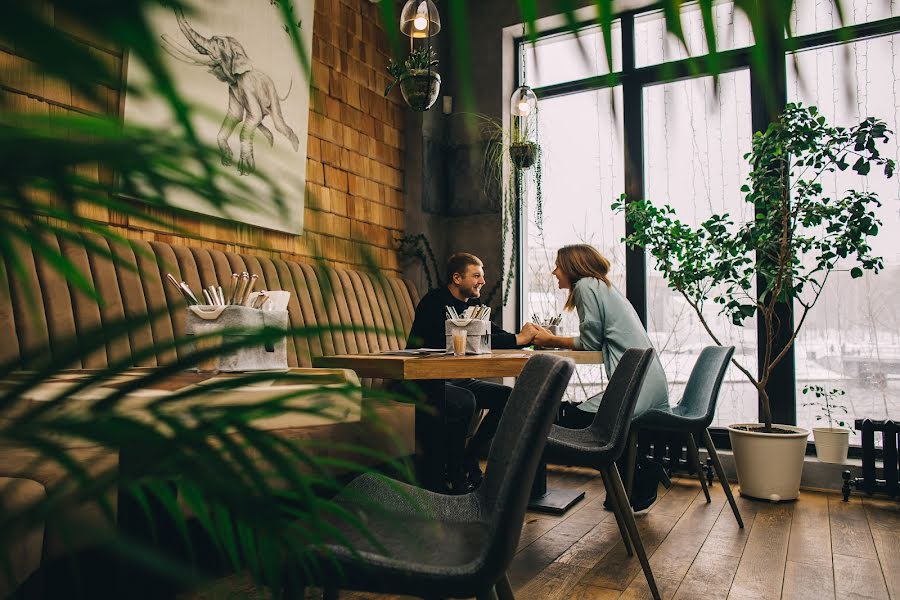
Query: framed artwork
(234, 61)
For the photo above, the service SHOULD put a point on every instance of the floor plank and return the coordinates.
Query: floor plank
(760, 572)
(553, 583)
(709, 577)
(675, 554)
(810, 541)
(856, 577)
(850, 535)
(805, 581)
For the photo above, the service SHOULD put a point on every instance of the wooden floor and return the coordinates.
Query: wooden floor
(817, 547)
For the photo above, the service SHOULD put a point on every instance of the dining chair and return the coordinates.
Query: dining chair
(397, 538)
(603, 442)
(691, 418)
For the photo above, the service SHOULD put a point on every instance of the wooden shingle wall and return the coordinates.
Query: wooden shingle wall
(354, 154)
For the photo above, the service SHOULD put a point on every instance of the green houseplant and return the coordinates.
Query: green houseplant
(798, 237)
(260, 501)
(832, 442)
(419, 83)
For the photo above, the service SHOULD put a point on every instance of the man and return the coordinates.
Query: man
(465, 279)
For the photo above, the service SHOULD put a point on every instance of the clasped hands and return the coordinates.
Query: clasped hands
(534, 334)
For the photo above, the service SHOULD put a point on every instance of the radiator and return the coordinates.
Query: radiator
(870, 482)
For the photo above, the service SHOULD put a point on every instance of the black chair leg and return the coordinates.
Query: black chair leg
(695, 458)
(711, 449)
(490, 594)
(504, 590)
(631, 461)
(616, 483)
(617, 511)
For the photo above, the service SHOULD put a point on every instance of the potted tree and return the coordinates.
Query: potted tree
(832, 443)
(419, 83)
(798, 237)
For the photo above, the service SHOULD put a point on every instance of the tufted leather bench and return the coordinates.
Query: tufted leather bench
(136, 285)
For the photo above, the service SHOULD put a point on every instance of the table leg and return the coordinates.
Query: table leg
(431, 434)
(552, 500)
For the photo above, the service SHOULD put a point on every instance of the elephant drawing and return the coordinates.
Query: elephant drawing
(251, 93)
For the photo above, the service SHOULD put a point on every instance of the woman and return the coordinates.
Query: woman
(607, 322)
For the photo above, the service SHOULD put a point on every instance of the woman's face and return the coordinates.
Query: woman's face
(561, 279)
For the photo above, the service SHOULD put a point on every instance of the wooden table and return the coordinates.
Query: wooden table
(431, 372)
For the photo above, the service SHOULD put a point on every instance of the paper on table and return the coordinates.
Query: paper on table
(415, 352)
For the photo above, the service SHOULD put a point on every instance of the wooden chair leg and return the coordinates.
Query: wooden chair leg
(617, 511)
(630, 461)
(628, 514)
(504, 590)
(720, 472)
(695, 458)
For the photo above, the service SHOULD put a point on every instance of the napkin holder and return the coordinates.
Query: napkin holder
(478, 335)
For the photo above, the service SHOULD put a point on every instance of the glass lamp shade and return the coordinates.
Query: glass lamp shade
(523, 102)
(420, 19)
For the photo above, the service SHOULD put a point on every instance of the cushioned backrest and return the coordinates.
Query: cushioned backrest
(41, 312)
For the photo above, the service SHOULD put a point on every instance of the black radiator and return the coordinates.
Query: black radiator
(869, 482)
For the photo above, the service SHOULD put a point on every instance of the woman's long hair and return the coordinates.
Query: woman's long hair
(579, 261)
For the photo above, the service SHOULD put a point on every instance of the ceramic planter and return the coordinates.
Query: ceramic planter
(420, 89)
(769, 465)
(832, 444)
(523, 154)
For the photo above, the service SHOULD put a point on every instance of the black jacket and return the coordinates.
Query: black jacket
(428, 327)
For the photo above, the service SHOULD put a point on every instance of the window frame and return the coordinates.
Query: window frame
(633, 81)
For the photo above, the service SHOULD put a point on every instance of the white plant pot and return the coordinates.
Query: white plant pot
(832, 444)
(769, 465)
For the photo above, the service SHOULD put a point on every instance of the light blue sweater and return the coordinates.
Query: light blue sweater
(610, 324)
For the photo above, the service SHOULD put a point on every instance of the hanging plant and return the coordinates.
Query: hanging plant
(419, 83)
(501, 172)
(418, 247)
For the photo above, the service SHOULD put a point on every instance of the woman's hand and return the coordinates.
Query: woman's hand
(542, 337)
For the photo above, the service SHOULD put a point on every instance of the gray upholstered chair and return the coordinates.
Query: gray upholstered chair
(691, 418)
(601, 444)
(431, 545)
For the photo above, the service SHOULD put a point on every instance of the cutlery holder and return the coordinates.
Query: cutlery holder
(478, 336)
(238, 321)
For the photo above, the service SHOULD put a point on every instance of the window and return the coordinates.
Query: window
(582, 145)
(654, 45)
(694, 145)
(851, 339)
(813, 16)
(562, 58)
(693, 138)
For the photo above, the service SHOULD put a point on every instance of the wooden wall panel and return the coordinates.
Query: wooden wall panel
(354, 156)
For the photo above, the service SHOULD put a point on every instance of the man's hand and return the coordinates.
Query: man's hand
(525, 337)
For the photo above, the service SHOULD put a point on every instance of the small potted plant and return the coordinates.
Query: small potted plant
(832, 442)
(419, 83)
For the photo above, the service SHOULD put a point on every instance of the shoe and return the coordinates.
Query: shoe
(473, 471)
(637, 504)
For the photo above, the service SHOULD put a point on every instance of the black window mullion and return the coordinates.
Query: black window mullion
(633, 125)
(768, 99)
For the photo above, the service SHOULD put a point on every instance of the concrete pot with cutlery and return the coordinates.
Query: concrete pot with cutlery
(217, 326)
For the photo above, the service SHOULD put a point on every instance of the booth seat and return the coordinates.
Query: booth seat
(35, 327)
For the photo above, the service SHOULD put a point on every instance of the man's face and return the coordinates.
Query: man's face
(470, 282)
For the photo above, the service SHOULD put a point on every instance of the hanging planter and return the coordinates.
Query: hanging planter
(420, 88)
(419, 83)
(524, 155)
